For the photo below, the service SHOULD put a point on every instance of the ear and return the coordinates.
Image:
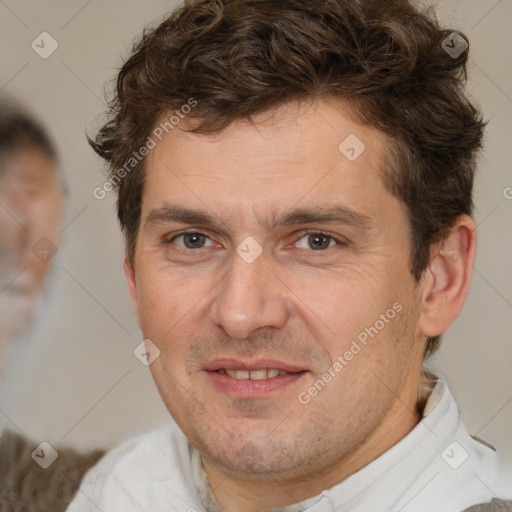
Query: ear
(447, 278)
(129, 272)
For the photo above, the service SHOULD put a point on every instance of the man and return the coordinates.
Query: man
(31, 208)
(294, 182)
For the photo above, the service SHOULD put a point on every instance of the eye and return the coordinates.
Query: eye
(316, 241)
(192, 241)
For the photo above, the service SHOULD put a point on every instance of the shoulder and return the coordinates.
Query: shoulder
(133, 475)
(473, 476)
(494, 506)
(475, 466)
(459, 470)
(148, 454)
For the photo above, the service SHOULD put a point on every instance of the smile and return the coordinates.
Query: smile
(252, 379)
(264, 373)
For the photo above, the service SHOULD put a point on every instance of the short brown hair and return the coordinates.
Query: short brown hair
(237, 58)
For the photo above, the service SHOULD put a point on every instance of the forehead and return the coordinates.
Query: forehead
(296, 154)
(29, 165)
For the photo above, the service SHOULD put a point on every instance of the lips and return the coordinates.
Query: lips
(252, 378)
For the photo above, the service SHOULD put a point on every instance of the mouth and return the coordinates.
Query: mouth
(256, 379)
(264, 373)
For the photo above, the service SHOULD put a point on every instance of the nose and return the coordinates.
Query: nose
(249, 297)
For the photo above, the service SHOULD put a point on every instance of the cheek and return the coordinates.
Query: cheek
(12, 233)
(47, 217)
(169, 306)
(337, 305)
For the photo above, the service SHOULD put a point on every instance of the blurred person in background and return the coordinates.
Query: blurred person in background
(31, 210)
(31, 214)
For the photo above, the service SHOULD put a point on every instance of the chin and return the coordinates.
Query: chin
(258, 457)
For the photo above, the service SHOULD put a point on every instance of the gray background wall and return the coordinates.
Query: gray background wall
(76, 380)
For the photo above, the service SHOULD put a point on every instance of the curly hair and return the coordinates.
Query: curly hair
(236, 58)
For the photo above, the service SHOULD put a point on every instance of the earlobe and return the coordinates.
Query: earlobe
(129, 273)
(447, 278)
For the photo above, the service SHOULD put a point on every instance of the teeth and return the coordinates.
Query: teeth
(258, 374)
(265, 373)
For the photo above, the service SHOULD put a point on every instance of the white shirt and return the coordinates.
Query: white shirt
(437, 467)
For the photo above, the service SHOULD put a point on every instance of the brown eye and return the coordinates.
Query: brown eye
(194, 240)
(318, 242)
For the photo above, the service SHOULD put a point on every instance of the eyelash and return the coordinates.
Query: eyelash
(303, 234)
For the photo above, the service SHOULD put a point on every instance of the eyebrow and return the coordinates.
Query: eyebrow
(332, 214)
(181, 214)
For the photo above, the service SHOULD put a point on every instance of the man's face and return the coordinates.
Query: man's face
(31, 205)
(334, 261)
